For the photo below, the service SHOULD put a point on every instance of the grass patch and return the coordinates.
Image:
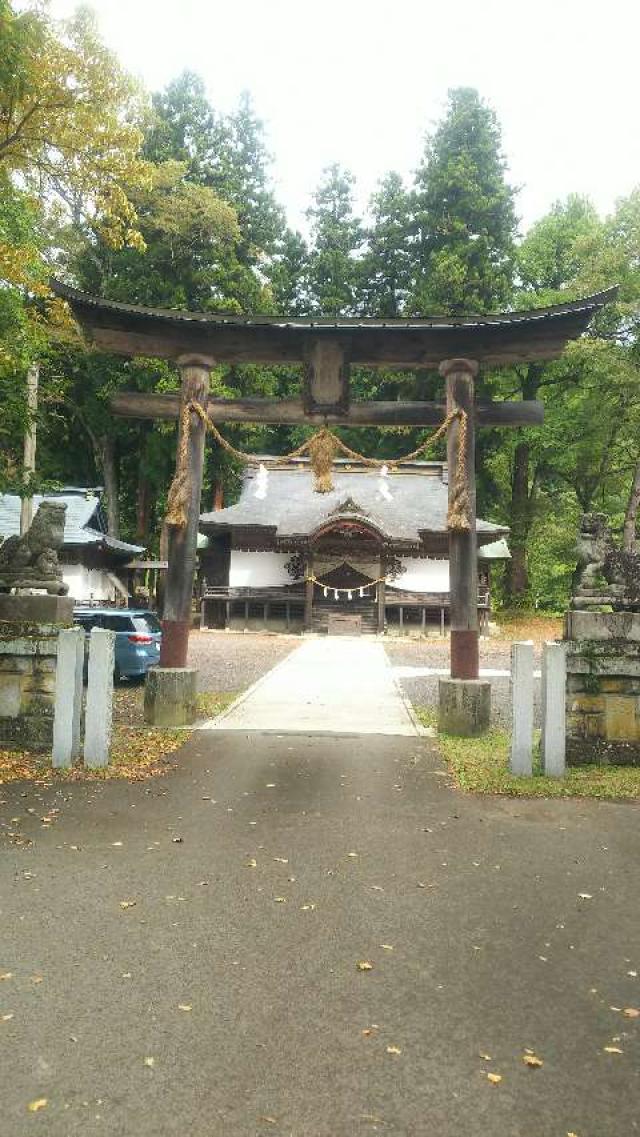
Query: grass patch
(481, 765)
(210, 704)
(137, 751)
(516, 624)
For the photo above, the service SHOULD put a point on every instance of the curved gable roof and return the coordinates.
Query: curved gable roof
(403, 505)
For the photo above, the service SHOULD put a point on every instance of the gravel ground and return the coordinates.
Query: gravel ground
(422, 690)
(226, 662)
(231, 661)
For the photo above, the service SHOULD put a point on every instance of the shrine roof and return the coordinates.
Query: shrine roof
(82, 522)
(401, 505)
(506, 337)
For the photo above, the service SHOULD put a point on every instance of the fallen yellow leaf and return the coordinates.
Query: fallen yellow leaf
(184, 1006)
(150, 1062)
(486, 1057)
(127, 904)
(7, 1018)
(307, 907)
(364, 965)
(282, 860)
(494, 1078)
(387, 947)
(531, 1060)
(34, 1106)
(280, 899)
(612, 1050)
(631, 1012)
(393, 1050)
(252, 863)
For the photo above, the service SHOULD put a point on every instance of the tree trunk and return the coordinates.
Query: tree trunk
(109, 465)
(143, 501)
(629, 539)
(218, 496)
(517, 572)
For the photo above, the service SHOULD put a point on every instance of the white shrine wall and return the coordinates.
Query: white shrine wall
(258, 570)
(88, 583)
(422, 575)
(267, 570)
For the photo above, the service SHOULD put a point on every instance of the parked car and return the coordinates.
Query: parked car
(138, 637)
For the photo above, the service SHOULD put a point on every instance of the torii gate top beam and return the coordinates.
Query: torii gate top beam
(496, 340)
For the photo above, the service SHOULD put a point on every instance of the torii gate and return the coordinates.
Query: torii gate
(327, 348)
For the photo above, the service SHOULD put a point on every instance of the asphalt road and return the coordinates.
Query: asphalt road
(490, 950)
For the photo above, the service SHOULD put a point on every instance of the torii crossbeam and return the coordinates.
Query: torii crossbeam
(327, 348)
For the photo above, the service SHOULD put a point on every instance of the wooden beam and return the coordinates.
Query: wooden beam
(308, 594)
(166, 406)
(381, 598)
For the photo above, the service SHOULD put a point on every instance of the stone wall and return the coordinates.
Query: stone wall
(29, 627)
(603, 688)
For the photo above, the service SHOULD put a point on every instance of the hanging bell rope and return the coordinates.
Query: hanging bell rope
(321, 448)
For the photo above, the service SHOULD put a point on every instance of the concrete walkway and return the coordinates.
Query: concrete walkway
(326, 686)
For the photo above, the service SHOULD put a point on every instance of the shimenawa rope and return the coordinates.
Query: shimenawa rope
(321, 447)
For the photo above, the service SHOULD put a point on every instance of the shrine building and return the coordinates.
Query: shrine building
(370, 556)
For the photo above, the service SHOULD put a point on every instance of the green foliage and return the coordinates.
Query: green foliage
(387, 266)
(288, 274)
(188, 232)
(337, 237)
(481, 765)
(69, 119)
(464, 219)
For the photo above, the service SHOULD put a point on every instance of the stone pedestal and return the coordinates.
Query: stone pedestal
(170, 696)
(36, 609)
(603, 688)
(464, 706)
(29, 627)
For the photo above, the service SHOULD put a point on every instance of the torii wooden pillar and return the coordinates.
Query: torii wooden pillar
(459, 377)
(327, 348)
(183, 543)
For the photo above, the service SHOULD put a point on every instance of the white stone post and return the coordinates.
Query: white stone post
(68, 697)
(99, 712)
(522, 708)
(554, 723)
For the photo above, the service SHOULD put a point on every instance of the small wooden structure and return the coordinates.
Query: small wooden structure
(327, 349)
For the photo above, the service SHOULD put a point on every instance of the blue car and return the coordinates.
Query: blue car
(138, 637)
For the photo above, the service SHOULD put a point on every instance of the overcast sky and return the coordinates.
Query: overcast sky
(360, 81)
